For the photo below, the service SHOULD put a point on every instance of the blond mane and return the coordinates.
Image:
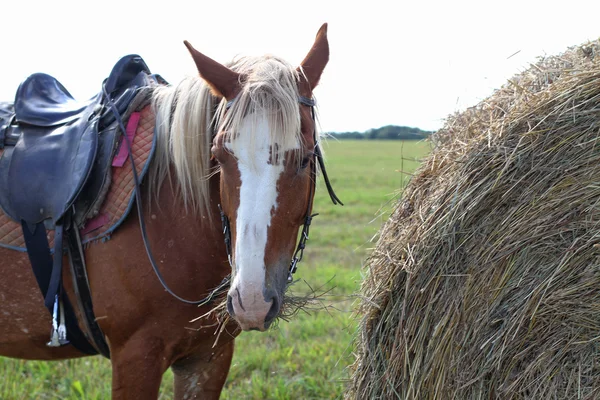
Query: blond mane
(184, 120)
(269, 89)
(187, 114)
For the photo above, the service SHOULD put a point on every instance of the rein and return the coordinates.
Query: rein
(138, 199)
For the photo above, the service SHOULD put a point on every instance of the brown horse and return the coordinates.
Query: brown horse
(240, 137)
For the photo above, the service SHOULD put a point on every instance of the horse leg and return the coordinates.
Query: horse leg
(137, 369)
(202, 377)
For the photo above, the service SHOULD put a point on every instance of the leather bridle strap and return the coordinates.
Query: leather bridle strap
(318, 154)
(226, 234)
(317, 158)
(307, 220)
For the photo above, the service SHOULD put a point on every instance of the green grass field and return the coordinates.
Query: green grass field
(306, 358)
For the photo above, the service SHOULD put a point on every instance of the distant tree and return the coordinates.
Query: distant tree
(388, 132)
(347, 135)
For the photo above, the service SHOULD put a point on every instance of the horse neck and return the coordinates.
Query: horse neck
(187, 238)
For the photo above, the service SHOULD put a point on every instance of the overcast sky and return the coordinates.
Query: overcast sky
(392, 62)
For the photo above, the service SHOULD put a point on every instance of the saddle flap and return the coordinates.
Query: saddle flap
(47, 169)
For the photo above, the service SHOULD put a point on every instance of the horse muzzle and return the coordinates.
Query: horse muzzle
(253, 307)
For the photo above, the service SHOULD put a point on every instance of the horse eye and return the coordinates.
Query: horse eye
(305, 162)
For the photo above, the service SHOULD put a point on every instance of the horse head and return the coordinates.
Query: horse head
(265, 145)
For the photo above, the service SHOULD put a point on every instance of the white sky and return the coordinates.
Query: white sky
(392, 62)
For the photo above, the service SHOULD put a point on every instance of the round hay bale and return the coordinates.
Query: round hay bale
(485, 281)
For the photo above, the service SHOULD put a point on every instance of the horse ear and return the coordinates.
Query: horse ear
(315, 61)
(223, 81)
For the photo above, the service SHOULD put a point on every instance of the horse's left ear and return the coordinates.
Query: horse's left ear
(315, 61)
(223, 81)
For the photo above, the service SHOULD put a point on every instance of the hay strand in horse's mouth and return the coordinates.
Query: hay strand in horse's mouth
(312, 301)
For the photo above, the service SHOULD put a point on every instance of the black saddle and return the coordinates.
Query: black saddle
(56, 157)
(51, 140)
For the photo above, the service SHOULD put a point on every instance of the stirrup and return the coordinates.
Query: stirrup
(58, 335)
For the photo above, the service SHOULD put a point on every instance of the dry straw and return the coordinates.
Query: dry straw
(485, 282)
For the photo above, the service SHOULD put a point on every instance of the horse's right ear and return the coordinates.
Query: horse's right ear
(223, 81)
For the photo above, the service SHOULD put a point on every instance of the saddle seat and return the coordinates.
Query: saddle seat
(42, 100)
(51, 141)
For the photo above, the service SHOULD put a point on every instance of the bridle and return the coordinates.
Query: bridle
(316, 160)
(223, 286)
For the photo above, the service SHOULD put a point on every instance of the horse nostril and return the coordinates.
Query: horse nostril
(273, 311)
(230, 306)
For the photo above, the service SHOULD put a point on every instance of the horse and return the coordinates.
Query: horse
(235, 144)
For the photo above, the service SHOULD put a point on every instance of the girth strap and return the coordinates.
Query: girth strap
(83, 294)
(48, 274)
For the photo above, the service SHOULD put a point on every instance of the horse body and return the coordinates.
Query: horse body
(147, 329)
(262, 180)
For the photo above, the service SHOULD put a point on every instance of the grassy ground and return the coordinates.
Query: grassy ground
(305, 358)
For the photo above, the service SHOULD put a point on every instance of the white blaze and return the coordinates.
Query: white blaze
(258, 197)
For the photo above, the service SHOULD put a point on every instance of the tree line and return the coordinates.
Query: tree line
(388, 132)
